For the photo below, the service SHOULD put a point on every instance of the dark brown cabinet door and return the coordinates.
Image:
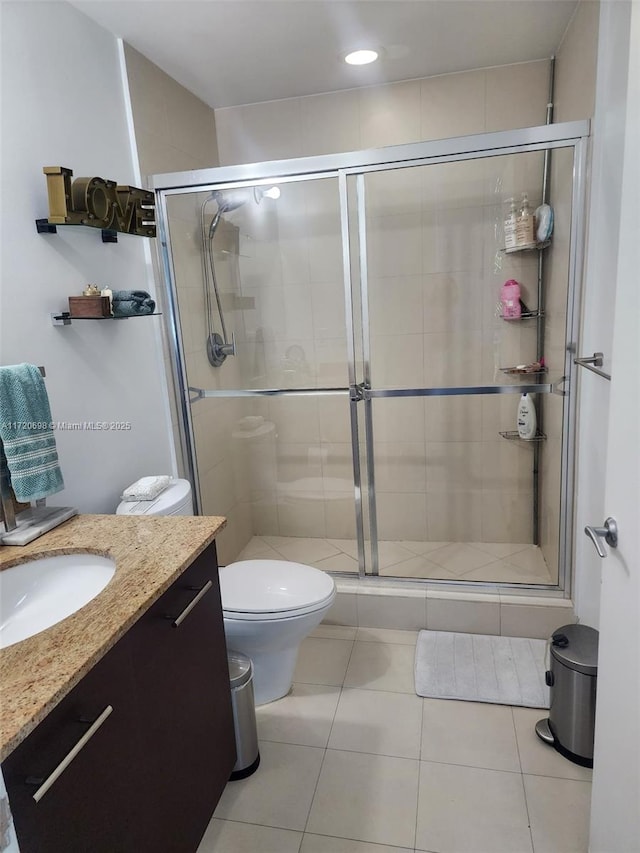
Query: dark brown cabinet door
(91, 805)
(183, 696)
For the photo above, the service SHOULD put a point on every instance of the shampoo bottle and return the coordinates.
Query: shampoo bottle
(525, 225)
(527, 421)
(510, 226)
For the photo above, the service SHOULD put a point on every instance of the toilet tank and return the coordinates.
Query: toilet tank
(176, 499)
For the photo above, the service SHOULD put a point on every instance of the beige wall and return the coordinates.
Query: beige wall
(412, 111)
(576, 65)
(176, 131)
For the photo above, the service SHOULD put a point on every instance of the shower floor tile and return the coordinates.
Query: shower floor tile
(490, 562)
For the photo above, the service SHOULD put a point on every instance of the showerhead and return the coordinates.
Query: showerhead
(229, 199)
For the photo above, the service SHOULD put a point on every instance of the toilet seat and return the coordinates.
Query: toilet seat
(273, 589)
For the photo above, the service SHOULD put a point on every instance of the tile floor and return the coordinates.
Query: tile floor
(496, 562)
(352, 761)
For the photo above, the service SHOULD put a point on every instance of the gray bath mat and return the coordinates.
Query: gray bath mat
(480, 668)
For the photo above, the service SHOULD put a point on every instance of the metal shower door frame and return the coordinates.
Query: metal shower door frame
(515, 142)
(357, 165)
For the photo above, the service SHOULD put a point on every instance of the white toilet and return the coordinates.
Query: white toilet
(269, 607)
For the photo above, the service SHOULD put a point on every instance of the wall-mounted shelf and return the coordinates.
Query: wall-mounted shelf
(513, 435)
(43, 226)
(64, 318)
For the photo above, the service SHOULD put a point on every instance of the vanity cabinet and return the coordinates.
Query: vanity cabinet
(184, 703)
(150, 776)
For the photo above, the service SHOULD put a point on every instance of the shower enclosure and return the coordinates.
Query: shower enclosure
(347, 385)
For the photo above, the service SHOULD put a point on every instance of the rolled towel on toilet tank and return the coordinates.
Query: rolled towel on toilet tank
(130, 303)
(146, 488)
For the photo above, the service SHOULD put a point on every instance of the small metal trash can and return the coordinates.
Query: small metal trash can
(572, 679)
(244, 715)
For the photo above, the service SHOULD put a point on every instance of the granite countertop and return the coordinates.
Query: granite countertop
(149, 552)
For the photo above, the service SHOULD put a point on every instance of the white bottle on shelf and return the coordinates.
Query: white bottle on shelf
(527, 420)
(510, 226)
(525, 225)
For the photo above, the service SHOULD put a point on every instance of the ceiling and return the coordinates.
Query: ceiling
(231, 52)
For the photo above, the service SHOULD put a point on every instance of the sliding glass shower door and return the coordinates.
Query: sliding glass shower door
(348, 385)
(453, 492)
(270, 427)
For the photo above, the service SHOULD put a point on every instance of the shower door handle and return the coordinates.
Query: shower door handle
(609, 533)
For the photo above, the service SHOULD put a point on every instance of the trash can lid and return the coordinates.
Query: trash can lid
(240, 668)
(576, 647)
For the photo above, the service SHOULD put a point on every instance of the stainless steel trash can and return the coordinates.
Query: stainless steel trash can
(572, 680)
(244, 715)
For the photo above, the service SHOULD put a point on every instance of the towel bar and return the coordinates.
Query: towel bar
(592, 363)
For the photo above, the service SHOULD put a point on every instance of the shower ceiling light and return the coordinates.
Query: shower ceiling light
(259, 193)
(361, 57)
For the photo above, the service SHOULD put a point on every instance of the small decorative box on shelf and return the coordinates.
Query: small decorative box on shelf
(89, 307)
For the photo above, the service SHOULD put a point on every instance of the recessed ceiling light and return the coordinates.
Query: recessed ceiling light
(361, 57)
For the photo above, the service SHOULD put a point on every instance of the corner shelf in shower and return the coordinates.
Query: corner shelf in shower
(64, 318)
(517, 371)
(530, 247)
(526, 315)
(513, 435)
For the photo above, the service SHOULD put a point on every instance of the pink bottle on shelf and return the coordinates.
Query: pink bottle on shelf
(510, 299)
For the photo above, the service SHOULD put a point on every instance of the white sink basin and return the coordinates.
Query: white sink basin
(37, 594)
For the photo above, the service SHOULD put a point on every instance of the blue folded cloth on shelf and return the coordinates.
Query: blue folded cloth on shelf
(27, 435)
(130, 303)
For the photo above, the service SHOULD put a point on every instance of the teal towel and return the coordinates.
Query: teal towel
(26, 433)
(5, 476)
(130, 303)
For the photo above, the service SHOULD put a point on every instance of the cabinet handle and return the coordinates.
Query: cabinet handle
(179, 619)
(66, 761)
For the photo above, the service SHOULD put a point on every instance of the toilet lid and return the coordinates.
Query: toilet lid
(273, 586)
(171, 499)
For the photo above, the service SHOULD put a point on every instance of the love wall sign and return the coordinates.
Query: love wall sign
(99, 203)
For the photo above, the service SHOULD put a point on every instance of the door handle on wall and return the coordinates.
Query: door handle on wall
(609, 533)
